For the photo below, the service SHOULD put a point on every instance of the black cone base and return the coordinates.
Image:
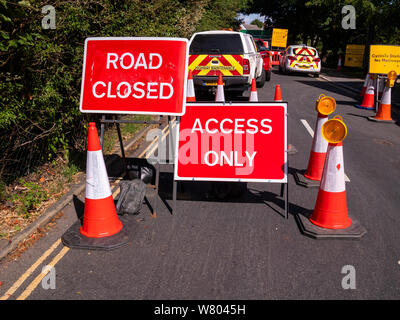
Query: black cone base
(355, 231)
(73, 238)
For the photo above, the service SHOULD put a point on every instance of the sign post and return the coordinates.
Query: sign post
(239, 142)
(134, 75)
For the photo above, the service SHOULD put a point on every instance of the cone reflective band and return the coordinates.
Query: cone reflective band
(334, 130)
(190, 96)
(100, 217)
(219, 95)
(392, 75)
(253, 91)
(369, 97)
(326, 105)
(365, 85)
(331, 206)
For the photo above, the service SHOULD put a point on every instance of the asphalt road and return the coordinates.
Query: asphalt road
(244, 248)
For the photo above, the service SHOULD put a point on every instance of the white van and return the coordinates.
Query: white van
(232, 54)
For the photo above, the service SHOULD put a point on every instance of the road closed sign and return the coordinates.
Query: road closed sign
(236, 142)
(134, 75)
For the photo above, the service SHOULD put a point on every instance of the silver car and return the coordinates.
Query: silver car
(300, 58)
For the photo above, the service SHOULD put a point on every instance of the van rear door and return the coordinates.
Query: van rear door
(215, 54)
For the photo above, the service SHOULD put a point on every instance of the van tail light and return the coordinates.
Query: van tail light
(291, 58)
(317, 59)
(246, 66)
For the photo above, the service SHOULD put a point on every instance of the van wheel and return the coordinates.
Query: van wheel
(260, 81)
(316, 75)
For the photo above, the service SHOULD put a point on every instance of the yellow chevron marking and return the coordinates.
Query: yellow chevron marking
(197, 61)
(233, 62)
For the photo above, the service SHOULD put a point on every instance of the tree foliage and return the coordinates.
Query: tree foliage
(319, 22)
(40, 70)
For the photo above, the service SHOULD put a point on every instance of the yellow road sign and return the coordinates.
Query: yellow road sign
(354, 55)
(384, 59)
(334, 130)
(279, 38)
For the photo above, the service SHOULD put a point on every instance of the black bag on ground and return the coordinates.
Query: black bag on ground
(131, 196)
(140, 169)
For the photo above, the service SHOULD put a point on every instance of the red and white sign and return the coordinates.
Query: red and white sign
(236, 142)
(134, 75)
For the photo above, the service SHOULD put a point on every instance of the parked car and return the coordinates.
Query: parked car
(300, 58)
(262, 47)
(232, 54)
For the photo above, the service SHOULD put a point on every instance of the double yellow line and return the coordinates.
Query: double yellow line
(33, 285)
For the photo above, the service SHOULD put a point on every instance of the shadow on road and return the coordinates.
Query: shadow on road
(332, 87)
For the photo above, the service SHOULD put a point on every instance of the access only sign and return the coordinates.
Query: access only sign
(236, 142)
(134, 75)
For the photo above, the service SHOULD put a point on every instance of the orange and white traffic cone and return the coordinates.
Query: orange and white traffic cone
(220, 96)
(365, 85)
(339, 64)
(253, 91)
(330, 217)
(100, 217)
(318, 151)
(368, 102)
(278, 94)
(190, 96)
(384, 109)
(331, 207)
(312, 175)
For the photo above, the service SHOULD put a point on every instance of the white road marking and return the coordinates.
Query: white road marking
(311, 132)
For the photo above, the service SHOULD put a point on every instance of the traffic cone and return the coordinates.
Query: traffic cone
(220, 96)
(190, 96)
(339, 64)
(331, 206)
(318, 151)
(278, 95)
(253, 91)
(368, 102)
(384, 109)
(367, 77)
(100, 217)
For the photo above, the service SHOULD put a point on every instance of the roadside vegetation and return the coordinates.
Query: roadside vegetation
(42, 132)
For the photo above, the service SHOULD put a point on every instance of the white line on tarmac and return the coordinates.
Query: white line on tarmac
(311, 132)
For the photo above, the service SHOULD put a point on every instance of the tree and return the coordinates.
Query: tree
(257, 23)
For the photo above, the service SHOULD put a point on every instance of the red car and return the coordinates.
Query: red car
(262, 47)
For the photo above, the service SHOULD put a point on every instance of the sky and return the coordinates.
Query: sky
(249, 18)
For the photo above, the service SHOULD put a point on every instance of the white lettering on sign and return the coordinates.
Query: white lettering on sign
(212, 158)
(236, 126)
(137, 90)
(127, 61)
